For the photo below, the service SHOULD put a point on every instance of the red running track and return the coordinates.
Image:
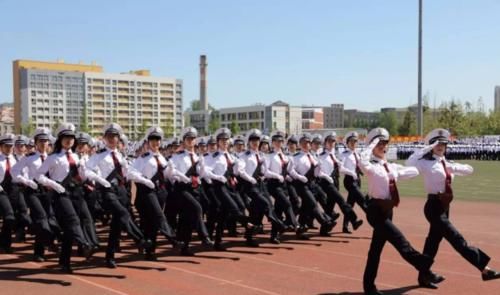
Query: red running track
(321, 265)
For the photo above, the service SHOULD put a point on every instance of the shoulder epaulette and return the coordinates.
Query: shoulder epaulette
(145, 154)
(296, 154)
(180, 152)
(205, 154)
(216, 154)
(30, 154)
(324, 152)
(101, 151)
(247, 153)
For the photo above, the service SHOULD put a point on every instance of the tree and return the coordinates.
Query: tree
(84, 124)
(28, 128)
(168, 128)
(142, 129)
(214, 122)
(56, 125)
(389, 121)
(407, 127)
(234, 127)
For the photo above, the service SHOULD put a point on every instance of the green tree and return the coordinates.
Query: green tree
(389, 121)
(407, 127)
(84, 124)
(234, 127)
(214, 123)
(141, 130)
(28, 128)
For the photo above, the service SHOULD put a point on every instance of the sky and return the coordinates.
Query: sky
(362, 53)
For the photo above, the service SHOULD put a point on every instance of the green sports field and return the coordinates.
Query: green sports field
(482, 185)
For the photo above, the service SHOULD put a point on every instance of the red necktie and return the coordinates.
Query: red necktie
(357, 164)
(8, 176)
(159, 171)
(283, 163)
(73, 169)
(42, 157)
(310, 159)
(118, 166)
(335, 164)
(448, 189)
(393, 189)
(194, 179)
(232, 181)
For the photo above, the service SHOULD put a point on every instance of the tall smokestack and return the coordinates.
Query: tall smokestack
(203, 83)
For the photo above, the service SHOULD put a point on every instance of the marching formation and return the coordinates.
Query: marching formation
(58, 188)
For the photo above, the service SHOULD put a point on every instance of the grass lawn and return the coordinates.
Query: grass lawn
(482, 185)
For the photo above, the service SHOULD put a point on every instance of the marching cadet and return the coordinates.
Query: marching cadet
(220, 169)
(327, 173)
(6, 163)
(239, 145)
(20, 147)
(276, 173)
(62, 173)
(213, 206)
(384, 196)
(351, 168)
(150, 176)
(39, 200)
(264, 145)
(30, 147)
(86, 205)
(292, 143)
(438, 176)
(188, 167)
(17, 196)
(111, 167)
(303, 170)
(251, 171)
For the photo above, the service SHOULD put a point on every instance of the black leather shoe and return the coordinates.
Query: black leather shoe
(110, 263)
(436, 279)
(66, 269)
(207, 242)
(150, 257)
(274, 240)
(251, 243)
(87, 251)
(490, 275)
(186, 252)
(346, 230)
(335, 216)
(425, 280)
(326, 228)
(357, 224)
(219, 247)
(144, 244)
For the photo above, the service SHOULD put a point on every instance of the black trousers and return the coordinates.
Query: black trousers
(229, 211)
(294, 197)
(19, 205)
(150, 203)
(9, 220)
(309, 209)
(334, 197)
(191, 215)
(86, 219)
(213, 207)
(385, 231)
(282, 203)
(441, 227)
(44, 223)
(68, 218)
(261, 205)
(354, 195)
(115, 201)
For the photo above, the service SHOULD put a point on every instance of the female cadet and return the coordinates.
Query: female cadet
(438, 176)
(384, 196)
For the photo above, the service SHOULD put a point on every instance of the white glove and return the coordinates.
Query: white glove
(58, 188)
(329, 179)
(221, 179)
(281, 178)
(103, 182)
(184, 178)
(31, 184)
(148, 183)
(289, 178)
(393, 174)
(302, 178)
(252, 180)
(428, 148)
